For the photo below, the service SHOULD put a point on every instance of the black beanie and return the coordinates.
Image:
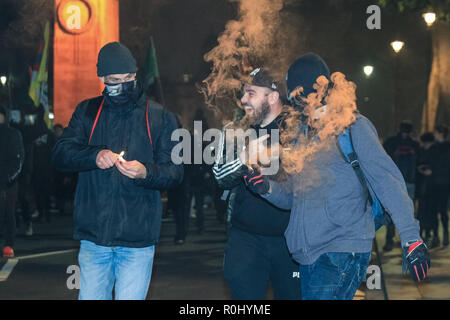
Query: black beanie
(115, 58)
(304, 72)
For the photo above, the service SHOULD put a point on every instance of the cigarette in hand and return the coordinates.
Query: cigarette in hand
(121, 159)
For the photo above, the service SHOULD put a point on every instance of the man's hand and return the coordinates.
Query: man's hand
(416, 260)
(132, 169)
(256, 182)
(106, 159)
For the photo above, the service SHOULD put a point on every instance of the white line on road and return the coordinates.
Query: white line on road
(44, 254)
(11, 263)
(7, 269)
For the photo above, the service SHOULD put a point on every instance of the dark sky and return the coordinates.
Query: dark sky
(185, 30)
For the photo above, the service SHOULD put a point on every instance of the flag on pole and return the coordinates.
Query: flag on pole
(150, 77)
(39, 75)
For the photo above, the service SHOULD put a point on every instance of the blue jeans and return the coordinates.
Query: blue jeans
(334, 276)
(128, 270)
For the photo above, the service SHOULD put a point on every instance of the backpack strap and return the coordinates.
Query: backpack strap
(345, 145)
(98, 115)
(96, 119)
(148, 124)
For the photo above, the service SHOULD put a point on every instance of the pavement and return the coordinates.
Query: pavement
(45, 266)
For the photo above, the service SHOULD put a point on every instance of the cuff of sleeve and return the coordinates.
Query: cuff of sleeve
(410, 235)
(147, 180)
(96, 152)
(272, 190)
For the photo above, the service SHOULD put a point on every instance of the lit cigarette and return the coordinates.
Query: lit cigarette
(121, 159)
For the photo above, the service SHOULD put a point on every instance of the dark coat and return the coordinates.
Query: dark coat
(11, 154)
(110, 208)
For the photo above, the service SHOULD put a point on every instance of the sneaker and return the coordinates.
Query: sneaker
(29, 230)
(8, 252)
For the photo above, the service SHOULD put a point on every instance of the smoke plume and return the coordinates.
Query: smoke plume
(327, 113)
(244, 44)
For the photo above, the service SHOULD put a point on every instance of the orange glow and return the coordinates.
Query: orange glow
(74, 16)
(76, 50)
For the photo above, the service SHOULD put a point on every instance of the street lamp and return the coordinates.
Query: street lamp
(429, 17)
(368, 71)
(3, 80)
(397, 45)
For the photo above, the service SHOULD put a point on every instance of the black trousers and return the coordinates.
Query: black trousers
(439, 199)
(199, 196)
(26, 197)
(8, 200)
(425, 215)
(251, 261)
(180, 208)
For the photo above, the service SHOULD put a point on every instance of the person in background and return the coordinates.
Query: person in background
(31, 129)
(423, 186)
(403, 150)
(64, 183)
(42, 178)
(439, 182)
(11, 159)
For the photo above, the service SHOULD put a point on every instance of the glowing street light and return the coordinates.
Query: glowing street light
(368, 71)
(397, 45)
(3, 80)
(429, 17)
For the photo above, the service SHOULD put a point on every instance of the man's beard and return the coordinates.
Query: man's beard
(259, 115)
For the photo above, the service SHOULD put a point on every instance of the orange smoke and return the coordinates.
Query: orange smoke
(327, 112)
(243, 42)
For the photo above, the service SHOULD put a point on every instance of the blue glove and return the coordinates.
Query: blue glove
(256, 182)
(416, 260)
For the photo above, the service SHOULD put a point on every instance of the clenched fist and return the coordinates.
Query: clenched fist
(106, 159)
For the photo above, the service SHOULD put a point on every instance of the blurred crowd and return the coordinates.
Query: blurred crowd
(425, 165)
(38, 191)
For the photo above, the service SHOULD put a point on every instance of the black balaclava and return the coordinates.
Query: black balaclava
(115, 58)
(304, 72)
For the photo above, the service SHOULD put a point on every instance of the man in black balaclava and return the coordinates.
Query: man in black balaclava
(118, 207)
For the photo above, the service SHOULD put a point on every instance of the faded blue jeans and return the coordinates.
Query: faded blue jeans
(128, 270)
(334, 276)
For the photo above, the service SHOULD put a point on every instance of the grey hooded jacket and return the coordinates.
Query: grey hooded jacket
(329, 210)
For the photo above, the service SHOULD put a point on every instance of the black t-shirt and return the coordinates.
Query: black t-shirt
(254, 214)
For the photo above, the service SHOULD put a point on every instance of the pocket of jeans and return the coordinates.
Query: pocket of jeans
(325, 274)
